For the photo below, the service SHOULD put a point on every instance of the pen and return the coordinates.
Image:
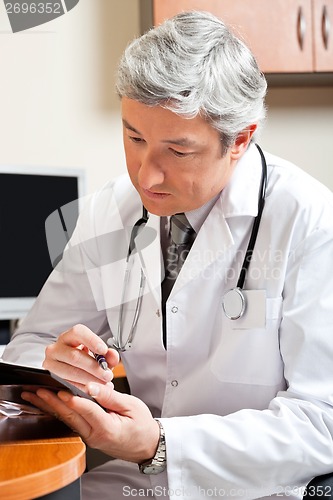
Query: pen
(101, 361)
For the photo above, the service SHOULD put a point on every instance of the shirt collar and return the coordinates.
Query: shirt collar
(197, 217)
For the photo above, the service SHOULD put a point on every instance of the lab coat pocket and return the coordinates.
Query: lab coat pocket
(250, 355)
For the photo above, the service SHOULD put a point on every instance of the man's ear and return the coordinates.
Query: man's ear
(242, 141)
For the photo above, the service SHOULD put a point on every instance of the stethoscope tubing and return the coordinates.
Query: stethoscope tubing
(256, 223)
(234, 301)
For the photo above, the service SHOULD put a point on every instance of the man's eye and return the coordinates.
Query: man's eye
(135, 139)
(180, 154)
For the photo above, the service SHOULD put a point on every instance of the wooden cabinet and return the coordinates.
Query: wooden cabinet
(323, 34)
(286, 36)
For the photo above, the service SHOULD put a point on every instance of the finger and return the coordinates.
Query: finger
(122, 431)
(32, 398)
(82, 335)
(86, 416)
(69, 358)
(79, 337)
(66, 413)
(79, 368)
(40, 403)
(112, 357)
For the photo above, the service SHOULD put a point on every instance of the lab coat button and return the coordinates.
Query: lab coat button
(174, 309)
(174, 383)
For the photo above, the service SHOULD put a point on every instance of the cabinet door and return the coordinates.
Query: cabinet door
(279, 32)
(323, 34)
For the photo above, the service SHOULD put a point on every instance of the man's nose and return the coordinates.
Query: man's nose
(151, 172)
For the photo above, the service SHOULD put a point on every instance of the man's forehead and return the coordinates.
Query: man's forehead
(178, 141)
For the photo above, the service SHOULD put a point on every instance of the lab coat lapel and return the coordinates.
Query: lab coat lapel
(212, 241)
(148, 246)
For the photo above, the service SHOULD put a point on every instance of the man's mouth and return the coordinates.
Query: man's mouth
(155, 195)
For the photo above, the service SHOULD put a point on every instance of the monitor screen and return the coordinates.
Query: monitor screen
(27, 198)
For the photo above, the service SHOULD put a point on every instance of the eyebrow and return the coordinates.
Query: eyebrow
(127, 125)
(181, 141)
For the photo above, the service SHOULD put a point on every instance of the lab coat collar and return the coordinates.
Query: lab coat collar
(240, 196)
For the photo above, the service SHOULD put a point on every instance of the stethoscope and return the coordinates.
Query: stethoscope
(119, 343)
(234, 300)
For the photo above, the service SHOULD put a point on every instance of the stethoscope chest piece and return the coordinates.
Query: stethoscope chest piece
(233, 303)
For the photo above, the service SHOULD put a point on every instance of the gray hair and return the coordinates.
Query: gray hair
(193, 64)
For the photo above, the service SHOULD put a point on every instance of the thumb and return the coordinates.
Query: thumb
(110, 399)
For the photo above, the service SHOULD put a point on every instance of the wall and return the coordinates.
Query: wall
(299, 127)
(58, 106)
(57, 101)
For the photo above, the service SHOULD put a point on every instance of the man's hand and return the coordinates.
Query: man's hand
(70, 357)
(126, 430)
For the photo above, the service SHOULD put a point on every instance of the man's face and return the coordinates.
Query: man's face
(175, 163)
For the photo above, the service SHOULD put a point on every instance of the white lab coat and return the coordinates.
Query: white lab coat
(246, 404)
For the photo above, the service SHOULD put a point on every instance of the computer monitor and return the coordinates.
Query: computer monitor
(28, 197)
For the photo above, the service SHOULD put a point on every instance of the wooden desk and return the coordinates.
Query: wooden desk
(31, 468)
(119, 371)
(39, 455)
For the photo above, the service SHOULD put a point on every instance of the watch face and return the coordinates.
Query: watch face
(152, 468)
(155, 466)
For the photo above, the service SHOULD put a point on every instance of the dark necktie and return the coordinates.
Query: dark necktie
(182, 236)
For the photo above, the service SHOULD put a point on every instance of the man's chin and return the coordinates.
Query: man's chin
(159, 206)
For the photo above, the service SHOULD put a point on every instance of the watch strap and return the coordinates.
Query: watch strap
(158, 463)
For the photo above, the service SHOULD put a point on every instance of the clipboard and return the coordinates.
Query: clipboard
(14, 379)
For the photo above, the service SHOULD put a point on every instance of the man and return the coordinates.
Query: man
(236, 407)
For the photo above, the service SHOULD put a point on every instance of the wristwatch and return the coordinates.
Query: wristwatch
(158, 463)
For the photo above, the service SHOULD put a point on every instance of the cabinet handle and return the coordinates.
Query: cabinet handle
(301, 28)
(325, 27)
